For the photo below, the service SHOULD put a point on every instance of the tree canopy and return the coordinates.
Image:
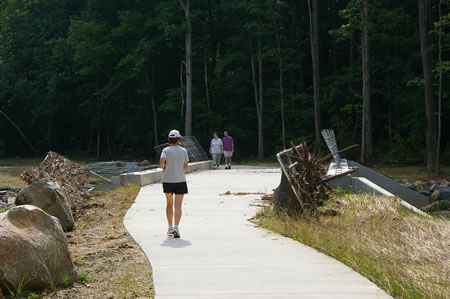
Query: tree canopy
(105, 78)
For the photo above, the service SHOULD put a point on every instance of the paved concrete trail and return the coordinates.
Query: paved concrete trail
(222, 255)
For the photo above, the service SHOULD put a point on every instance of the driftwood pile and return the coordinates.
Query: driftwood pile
(69, 175)
(306, 175)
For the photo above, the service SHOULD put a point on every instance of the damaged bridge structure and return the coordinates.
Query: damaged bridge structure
(364, 179)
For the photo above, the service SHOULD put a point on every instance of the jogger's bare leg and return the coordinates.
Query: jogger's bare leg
(178, 212)
(169, 208)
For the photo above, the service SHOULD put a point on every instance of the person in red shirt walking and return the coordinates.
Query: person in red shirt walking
(228, 149)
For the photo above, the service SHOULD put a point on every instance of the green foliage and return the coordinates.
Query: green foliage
(18, 291)
(75, 71)
(84, 277)
(65, 281)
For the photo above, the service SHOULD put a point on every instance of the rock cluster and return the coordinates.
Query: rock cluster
(48, 196)
(435, 190)
(33, 247)
(33, 250)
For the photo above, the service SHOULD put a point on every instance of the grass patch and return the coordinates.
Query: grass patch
(404, 254)
(414, 173)
(9, 177)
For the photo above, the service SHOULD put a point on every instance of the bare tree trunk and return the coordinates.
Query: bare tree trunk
(147, 118)
(389, 92)
(20, 131)
(109, 143)
(257, 86)
(438, 147)
(186, 4)
(350, 61)
(430, 106)
(182, 88)
(208, 104)
(366, 142)
(98, 122)
(296, 28)
(333, 41)
(261, 100)
(152, 97)
(280, 62)
(255, 83)
(151, 83)
(205, 62)
(314, 37)
(49, 141)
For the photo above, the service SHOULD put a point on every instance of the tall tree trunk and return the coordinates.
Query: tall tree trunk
(205, 64)
(438, 147)
(152, 97)
(257, 87)
(366, 136)
(182, 88)
(350, 62)
(151, 84)
(261, 100)
(208, 104)
(98, 122)
(186, 4)
(314, 37)
(109, 143)
(334, 13)
(280, 63)
(298, 39)
(147, 118)
(389, 92)
(430, 106)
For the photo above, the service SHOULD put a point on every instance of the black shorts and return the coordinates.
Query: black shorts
(177, 188)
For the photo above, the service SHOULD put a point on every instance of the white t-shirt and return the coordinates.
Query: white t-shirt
(175, 157)
(216, 146)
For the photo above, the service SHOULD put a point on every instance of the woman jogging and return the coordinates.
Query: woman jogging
(174, 161)
(216, 150)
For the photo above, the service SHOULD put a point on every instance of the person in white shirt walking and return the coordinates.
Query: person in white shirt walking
(174, 161)
(216, 150)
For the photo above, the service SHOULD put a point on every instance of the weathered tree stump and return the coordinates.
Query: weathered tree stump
(285, 200)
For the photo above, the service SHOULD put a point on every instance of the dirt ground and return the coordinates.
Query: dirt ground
(109, 263)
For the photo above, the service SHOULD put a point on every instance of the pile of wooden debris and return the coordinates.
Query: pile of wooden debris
(71, 176)
(306, 175)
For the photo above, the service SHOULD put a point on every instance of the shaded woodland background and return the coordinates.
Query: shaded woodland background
(109, 79)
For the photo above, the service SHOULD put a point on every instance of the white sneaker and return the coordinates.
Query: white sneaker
(170, 232)
(176, 232)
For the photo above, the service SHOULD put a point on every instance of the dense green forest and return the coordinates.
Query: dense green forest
(107, 78)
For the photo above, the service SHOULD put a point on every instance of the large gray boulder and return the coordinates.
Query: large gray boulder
(48, 196)
(33, 249)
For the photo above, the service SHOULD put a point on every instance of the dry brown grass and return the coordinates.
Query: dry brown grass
(405, 254)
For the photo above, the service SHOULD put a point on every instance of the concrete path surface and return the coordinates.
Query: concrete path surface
(222, 255)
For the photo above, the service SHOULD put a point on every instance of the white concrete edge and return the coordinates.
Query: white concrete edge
(370, 186)
(413, 209)
(147, 177)
(382, 191)
(366, 185)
